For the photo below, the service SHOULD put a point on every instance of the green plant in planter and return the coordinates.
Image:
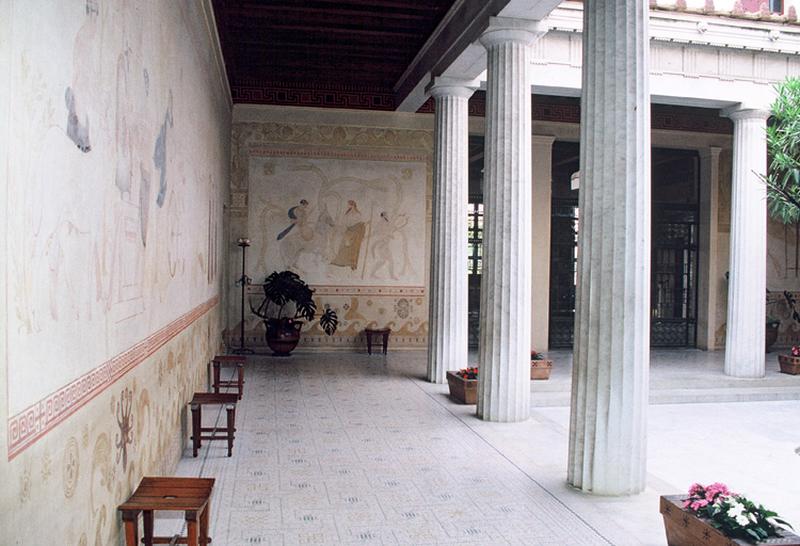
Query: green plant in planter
(287, 301)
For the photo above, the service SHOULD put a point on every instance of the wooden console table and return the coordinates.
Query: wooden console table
(189, 495)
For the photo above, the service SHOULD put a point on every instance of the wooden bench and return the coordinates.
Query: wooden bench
(383, 332)
(238, 383)
(189, 495)
(201, 399)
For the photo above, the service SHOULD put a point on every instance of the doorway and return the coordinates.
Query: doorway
(675, 178)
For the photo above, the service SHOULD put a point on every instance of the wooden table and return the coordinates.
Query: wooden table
(383, 332)
(235, 360)
(189, 495)
(201, 399)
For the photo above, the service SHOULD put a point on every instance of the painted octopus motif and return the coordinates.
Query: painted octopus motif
(125, 434)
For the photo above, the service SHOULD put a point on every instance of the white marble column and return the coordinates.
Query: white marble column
(505, 325)
(607, 447)
(744, 343)
(447, 335)
(708, 277)
(541, 206)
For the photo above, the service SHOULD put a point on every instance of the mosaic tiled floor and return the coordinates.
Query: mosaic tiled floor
(342, 449)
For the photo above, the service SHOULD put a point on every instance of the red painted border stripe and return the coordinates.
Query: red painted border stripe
(26, 427)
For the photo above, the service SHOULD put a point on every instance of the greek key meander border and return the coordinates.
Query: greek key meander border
(31, 424)
(255, 289)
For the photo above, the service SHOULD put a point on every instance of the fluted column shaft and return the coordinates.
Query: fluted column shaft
(505, 324)
(447, 335)
(744, 344)
(607, 448)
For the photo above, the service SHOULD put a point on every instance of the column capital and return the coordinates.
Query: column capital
(542, 140)
(510, 29)
(709, 152)
(443, 86)
(737, 113)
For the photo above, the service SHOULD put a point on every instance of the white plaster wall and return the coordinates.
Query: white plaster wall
(114, 272)
(5, 133)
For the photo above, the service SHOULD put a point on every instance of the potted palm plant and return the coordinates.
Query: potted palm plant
(287, 301)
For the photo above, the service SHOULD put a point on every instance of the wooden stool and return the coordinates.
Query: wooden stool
(190, 495)
(235, 360)
(384, 332)
(198, 401)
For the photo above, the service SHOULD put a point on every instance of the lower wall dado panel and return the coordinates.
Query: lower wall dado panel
(91, 462)
(403, 310)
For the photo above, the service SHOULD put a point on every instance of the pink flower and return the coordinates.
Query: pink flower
(717, 489)
(698, 504)
(695, 488)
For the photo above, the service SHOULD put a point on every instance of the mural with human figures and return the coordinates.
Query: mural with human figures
(338, 221)
(115, 162)
(346, 206)
(113, 174)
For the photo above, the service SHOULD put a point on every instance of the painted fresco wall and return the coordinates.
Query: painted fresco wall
(783, 261)
(342, 199)
(116, 157)
(743, 6)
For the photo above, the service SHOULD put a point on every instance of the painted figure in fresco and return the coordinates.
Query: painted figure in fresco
(386, 231)
(350, 245)
(160, 150)
(86, 75)
(77, 131)
(298, 216)
(325, 232)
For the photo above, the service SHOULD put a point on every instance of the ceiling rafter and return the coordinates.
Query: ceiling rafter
(324, 44)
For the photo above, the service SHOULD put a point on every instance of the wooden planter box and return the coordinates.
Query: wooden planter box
(540, 369)
(789, 364)
(462, 390)
(685, 529)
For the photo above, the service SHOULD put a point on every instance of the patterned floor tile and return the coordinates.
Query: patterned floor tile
(346, 450)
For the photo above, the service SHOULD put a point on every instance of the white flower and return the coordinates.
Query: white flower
(742, 520)
(752, 517)
(735, 510)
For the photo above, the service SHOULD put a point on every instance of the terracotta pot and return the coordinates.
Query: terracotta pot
(771, 334)
(283, 335)
(686, 529)
(462, 390)
(789, 364)
(540, 369)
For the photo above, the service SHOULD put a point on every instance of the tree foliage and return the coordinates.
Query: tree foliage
(783, 144)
